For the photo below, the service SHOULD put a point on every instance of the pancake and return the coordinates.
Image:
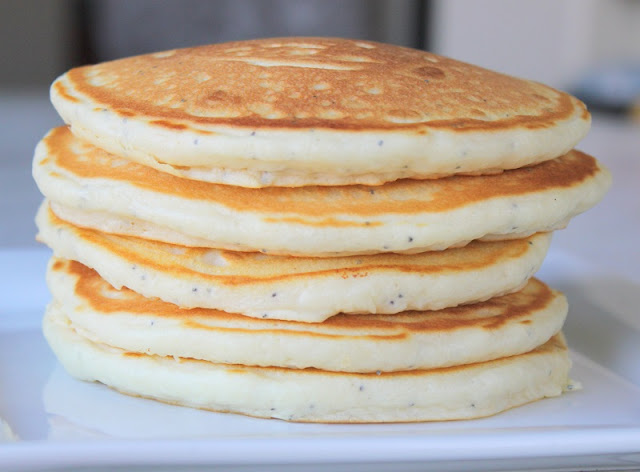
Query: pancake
(500, 327)
(315, 111)
(296, 288)
(92, 188)
(313, 395)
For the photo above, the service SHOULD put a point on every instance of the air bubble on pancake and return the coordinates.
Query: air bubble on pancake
(115, 163)
(404, 116)
(101, 80)
(354, 102)
(80, 149)
(218, 96)
(276, 87)
(364, 45)
(541, 98)
(215, 258)
(94, 71)
(330, 114)
(321, 86)
(308, 65)
(477, 113)
(113, 293)
(201, 77)
(354, 59)
(374, 91)
(175, 250)
(167, 99)
(429, 73)
(237, 49)
(163, 54)
(213, 112)
(214, 103)
(302, 52)
(303, 45)
(265, 110)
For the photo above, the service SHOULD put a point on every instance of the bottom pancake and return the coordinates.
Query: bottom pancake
(313, 395)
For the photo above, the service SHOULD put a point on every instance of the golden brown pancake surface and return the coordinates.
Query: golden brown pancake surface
(316, 83)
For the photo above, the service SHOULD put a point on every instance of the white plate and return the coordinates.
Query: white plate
(63, 423)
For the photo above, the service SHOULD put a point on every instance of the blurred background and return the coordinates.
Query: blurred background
(588, 47)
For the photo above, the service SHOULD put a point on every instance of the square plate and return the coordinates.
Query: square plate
(63, 423)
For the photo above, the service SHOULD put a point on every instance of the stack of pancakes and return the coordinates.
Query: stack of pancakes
(320, 230)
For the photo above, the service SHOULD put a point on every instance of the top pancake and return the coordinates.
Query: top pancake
(325, 111)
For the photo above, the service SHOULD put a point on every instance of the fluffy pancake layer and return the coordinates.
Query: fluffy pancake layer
(93, 188)
(315, 111)
(296, 288)
(500, 327)
(313, 395)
